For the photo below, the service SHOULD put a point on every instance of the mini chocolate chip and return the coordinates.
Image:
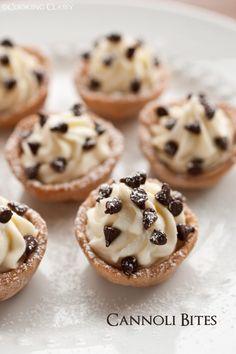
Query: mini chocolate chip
(39, 76)
(78, 109)
(164, 196)
(158, 238)
(195, 167)
(130, 52)
(209, 110)
(60, 128)
(171, 147)
(149, 217)
(129, 265)
(170, 123)
(42, 118)
(194, 127)
(85, 55)
(5, 215)
(107, 61)
(7, 43)
(32, 172)
(178, 196)
(59, 164)
(135, 85)
(10, 84)
(221, 142)
(4, 59)
(184, 231)
(138, 196)
(113, 206)
(31, 245)
(161, 111)
(34, 146)
(135, 181)
(19, 209)
(114, 37)
(156, 62)
(175, 207)
(94, 84)
(99, 129)
(104, 192)
(111, 233)
(89, 144)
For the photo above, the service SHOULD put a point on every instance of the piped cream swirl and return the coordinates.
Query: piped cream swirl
(20, 78)
(134, 239)
(123, 66)
(210, 139)
(12, 243)
(64, 155)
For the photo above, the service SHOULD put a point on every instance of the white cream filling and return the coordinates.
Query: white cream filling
(118, 76)
(12, 243)
(21, 67)
(134, 240)
(191, 145)
(68, 145)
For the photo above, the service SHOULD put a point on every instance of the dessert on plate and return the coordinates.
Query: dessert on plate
(137, 231)
(119, 76)
(23, 235)
(23, 81)
(63, 156)
(190, 143)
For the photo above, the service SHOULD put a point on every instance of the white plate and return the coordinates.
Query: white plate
(64, 308)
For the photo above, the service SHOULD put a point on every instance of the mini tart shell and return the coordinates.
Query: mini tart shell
(145, 276)
(34, 105)
(13, 281)
(163, 172)
(77, 189)
(116, 107)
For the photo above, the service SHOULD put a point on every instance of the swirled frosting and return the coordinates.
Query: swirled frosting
(135, 219)
(21, 76)
(121, 64)
(64, 146)
(13, 228)
(192, 136)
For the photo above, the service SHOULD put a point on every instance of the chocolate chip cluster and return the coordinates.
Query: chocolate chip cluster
(59, 164)
(195, 166)
(6, 213)
(172, 200)
(109, 60)
(10, 83)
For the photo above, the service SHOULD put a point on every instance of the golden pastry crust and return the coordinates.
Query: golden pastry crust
(35, 105)
(145, 276)
(163, 172)
(74, 190)
(13, 281)
(116, 107)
